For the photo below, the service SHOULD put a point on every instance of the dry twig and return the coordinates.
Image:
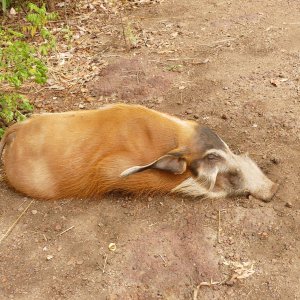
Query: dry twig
(165, 263)
(66, 230)
(104, 265)
(15, 223)
(219, 225)
(205, 283)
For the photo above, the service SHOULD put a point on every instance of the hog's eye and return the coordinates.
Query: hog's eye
(212, 156)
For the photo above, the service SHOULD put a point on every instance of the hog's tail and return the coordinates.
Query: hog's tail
(6, 135)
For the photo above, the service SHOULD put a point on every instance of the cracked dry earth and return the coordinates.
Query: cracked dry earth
(233, 65)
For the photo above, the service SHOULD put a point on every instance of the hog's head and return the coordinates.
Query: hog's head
(224, 173)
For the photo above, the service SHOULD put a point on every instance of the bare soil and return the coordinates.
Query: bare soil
(232, 65)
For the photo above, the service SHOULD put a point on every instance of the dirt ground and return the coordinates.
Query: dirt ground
(232, 65)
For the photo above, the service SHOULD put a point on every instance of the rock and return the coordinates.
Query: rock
(49, 257)
(275, 160)
(89, 99)
(112, 247)
(289, 204)
(58, 227)
(229, 282)
(34, 211)
(274, 82)
(12, 12)
(263, 235)
(189, 111)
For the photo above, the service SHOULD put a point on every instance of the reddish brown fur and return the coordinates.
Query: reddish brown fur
(82, 154)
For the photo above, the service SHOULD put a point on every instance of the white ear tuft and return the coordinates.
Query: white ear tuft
(130, 171)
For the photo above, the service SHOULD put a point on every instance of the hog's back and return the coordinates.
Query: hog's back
(81, 154)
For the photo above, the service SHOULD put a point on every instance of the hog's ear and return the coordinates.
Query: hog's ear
(172, 162)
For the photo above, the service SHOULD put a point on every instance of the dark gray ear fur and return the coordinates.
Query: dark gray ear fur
(172, 162)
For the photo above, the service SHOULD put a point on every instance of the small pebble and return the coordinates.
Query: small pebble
(79, 262)
(229, 282)
(263, 235)
(49, 257)
(112, 247)
(58, 227)
(81, 106)
(34, 212)
(12, 12)
(189, 111)
(89, 99)
(230, 241)
(275, 160)
(289, 204)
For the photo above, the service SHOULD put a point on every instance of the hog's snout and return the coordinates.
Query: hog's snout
(266, 194)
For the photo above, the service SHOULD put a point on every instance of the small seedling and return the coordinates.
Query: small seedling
(13, 107)
(130, 36)
(175, 68)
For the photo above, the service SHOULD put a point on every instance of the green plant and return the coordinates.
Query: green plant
(130, 36)
(68, 35)
(175, 68)
(5, 4)
(13, 107)
(21, 60)
(38, 17)
(18, 59)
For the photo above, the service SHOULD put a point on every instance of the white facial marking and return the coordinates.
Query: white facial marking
(213, 178)
(255, 179)
(192, 187)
